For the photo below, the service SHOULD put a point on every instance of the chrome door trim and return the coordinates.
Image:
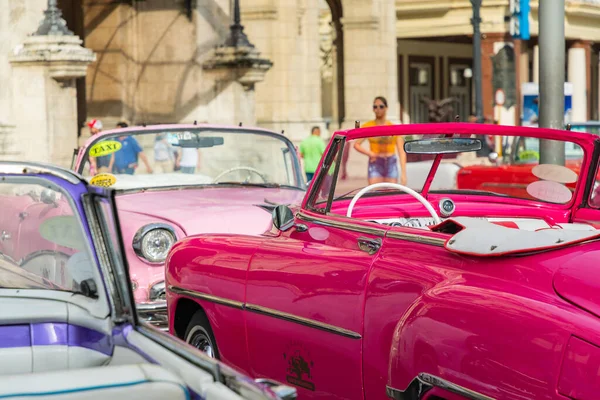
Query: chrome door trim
(411, 237)
(340, 224)
(425, 382)
(207, 297)
(302, 321)
(27, 168)
(266, 311)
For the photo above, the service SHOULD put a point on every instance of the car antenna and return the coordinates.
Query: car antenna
(356, 124)
(144, 124)
(568, 127)
(283, 131)
(457, 118)
(240, 124)
(195, 122)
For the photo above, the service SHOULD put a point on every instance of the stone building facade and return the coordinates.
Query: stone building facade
(315, 62)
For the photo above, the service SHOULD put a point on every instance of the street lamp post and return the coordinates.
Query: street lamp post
(552, 77)
(237, 37)
(475, 21)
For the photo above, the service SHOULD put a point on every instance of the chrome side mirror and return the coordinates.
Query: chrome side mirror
(493, 157)
(48, 196)
(282, 391)
(283, 218)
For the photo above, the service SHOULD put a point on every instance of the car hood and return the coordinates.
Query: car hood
(209, 210)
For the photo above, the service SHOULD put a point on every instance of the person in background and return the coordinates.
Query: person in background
(164, 158)
(125, 161)
(188, 160)
(383, 160)
(311, 150)
(100, 164)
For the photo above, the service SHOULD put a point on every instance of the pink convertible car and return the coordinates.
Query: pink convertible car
(378, 291)
(176, 180)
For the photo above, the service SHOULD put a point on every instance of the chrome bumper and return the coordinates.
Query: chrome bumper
(154, 313)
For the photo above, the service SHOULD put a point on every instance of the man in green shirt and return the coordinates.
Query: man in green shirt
(311, 150)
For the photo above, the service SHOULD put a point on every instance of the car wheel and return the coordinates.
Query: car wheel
(199, 334)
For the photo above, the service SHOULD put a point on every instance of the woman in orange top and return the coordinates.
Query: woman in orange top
(383, 161)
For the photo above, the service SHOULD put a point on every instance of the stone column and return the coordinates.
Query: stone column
(577, 75)
(44, 100)
(287, 32)
(370, 64)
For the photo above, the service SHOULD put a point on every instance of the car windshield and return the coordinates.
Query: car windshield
(517, 173)
(42, 243)
(179, 157)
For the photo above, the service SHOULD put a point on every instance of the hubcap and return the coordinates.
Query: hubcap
(199, 338)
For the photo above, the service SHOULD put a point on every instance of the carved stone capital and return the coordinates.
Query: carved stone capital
(244, 62)
(64, 55)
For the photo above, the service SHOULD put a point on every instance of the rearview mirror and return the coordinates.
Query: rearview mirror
(200, 142)
(283, 218)
(442, 145)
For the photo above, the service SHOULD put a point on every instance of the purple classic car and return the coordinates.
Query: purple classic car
(68, 326)
(176, 180)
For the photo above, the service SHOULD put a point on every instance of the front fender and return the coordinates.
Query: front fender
(142, 273)
(501, 344)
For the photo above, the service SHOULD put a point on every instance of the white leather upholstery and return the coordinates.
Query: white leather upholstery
(140, 381)
(483, 238)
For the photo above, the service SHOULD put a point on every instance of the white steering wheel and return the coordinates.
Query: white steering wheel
(403, 188)
(250, 169)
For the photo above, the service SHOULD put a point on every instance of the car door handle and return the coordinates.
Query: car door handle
(369, 245)
(4, 236)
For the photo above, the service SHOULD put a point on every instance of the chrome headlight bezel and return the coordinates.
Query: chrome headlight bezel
(138, 240)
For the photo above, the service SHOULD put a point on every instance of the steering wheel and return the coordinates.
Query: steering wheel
(403, 188)
(253, 170)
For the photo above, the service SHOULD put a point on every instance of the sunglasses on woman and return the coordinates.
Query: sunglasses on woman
(381, 106)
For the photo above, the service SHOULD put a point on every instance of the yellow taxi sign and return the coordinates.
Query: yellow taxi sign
(104, 148)
(104, 180)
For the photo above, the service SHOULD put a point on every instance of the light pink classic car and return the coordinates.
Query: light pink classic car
(176, 180)
(377, 291)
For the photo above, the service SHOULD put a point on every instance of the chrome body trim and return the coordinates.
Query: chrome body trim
(207, 297)
(24, 168)
(302, 321)
(342, 225)
(425, 382)
(267, 311)
(410, 237)
(154, 313)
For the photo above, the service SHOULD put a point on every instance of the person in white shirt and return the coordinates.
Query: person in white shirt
(163, 155)
(188, 160)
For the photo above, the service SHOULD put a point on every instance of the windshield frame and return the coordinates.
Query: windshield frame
(52, 181)
(115, 133)
(586, 141)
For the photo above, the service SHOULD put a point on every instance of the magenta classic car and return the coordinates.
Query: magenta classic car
(177, 180)
(380, 291)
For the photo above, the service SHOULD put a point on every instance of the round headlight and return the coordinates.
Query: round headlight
(153, 242)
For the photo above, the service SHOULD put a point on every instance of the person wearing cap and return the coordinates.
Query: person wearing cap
(98, 164)
(125, 160)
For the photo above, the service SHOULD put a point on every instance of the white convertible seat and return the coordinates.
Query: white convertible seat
(137, 381)
(479, 237)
